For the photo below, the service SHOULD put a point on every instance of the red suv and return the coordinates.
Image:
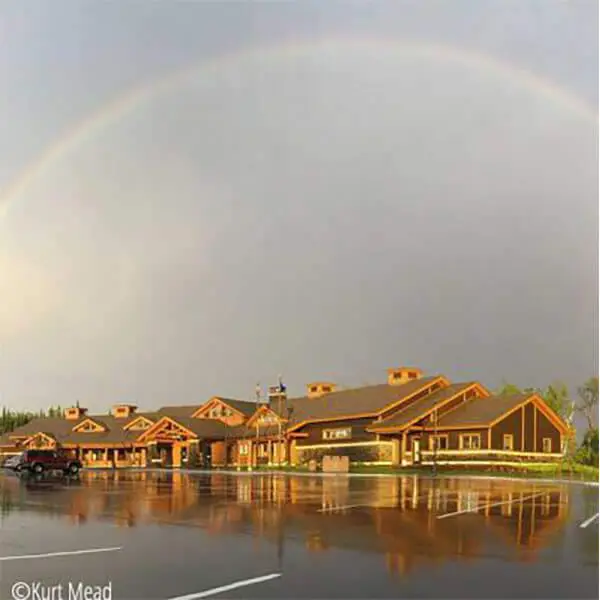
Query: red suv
(38, 461)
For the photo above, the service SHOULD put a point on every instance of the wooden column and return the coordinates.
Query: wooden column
(403, 449)
(176, 455)
(396, 458)
(293, 453)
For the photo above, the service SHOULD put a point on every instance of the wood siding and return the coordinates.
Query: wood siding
(528, 412)
(514, 425)
(510, 424)
(544, 428)
(315, 432)
(453, 438)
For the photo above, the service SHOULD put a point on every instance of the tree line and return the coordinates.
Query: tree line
(558, 398)
(11, 419)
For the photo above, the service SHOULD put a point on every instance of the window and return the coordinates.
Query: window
(470, 441)
(508, 441)
(412, 375)
(397, 375)
(326, 389)
(547, 444)
(267, 418)
(243, 449)
(343, 433)
(314, 388)
(438, 442)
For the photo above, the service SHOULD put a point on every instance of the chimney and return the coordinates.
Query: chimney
(400, 375)
(122, 411)
(74, 413)
(319, 388)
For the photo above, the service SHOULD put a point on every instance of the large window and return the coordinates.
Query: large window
(470, 441)
(547, 444)
(342, 433)
(508, 441)
(438, 442)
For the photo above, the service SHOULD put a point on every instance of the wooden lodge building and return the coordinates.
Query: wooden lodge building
(408, 420)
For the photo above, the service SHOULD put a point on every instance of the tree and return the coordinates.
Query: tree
(557, 398)
(588, 451)
(588, 405)
(508, 389)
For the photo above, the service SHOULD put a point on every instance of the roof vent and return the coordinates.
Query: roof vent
(122, 411)
(74, 413)
(400, 375)
(317, 389)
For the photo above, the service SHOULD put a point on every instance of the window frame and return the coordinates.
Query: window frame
(439, 436)
(549, 441)
(505, 437)
(463, 436)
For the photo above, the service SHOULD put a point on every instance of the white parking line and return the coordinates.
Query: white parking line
(226, 588)
(53, 554)
(589, 521)
(478, 508)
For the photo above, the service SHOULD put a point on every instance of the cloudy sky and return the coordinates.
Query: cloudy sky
(198, 195)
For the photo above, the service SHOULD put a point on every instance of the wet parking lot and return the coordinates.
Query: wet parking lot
(129, 535)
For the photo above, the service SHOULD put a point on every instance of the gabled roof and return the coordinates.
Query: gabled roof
(99, 426)
(368, 401)
(261, 410)
(487, 411)
(244, 407)
(420, 408)
(61, 429)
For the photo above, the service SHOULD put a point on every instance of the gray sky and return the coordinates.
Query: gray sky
(331, 189)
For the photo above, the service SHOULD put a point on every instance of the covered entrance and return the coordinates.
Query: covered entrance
(169, 444)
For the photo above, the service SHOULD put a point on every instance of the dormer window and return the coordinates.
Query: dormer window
(319, 388)
(400, 375)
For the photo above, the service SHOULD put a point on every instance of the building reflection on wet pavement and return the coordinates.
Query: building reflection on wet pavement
(397, 518)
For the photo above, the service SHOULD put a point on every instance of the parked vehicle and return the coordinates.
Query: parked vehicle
(12, 461)
(38, 461)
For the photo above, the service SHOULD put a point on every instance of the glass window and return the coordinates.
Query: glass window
(547, 444)
(507, 441)
(438, 442)
(470, 441)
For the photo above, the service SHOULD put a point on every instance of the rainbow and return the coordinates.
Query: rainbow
(128, 102)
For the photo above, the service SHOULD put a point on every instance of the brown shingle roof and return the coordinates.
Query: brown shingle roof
(186, 410)
(204, 428)
(62, 429)
(481, 411)
(420, 407)
(246, 407)
(368, 400)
